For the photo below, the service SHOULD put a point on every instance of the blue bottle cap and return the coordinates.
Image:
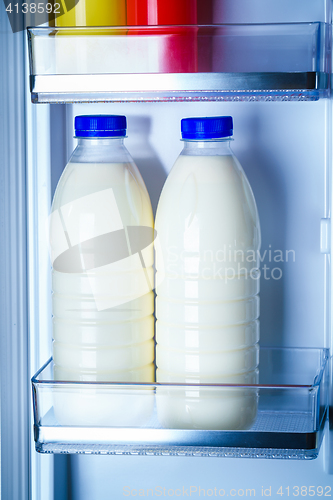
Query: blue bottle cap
(214, 127)
(100, 126)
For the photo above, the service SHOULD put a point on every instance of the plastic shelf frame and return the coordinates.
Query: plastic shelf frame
(291, 401)
(180, 63)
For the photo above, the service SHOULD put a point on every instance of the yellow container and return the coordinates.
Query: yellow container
(93, 13)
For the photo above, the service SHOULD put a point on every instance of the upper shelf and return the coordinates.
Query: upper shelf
(180, 63)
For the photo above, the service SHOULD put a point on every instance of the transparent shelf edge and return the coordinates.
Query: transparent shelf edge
(191, 87)
(218, 452)
(289, 422)
(216, 62)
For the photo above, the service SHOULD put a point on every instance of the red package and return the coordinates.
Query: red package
(177, 47)
(161, 12)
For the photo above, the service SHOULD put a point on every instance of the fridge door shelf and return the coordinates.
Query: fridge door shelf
(289, 407)
(180, 63)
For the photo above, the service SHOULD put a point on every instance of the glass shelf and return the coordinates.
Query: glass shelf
(287, 408)
(180, 63)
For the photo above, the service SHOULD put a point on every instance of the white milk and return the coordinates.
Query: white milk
(101, 239)
(207, 408)
(207, 306)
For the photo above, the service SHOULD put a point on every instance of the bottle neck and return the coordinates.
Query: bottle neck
(100, 150)
(207, 147)
(100, 141)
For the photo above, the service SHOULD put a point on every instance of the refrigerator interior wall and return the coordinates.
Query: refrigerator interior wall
(283, 148)
(266, 11)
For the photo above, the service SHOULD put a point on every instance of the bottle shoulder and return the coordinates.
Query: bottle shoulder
(212, 170)
(82, 181)
(208, 193)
